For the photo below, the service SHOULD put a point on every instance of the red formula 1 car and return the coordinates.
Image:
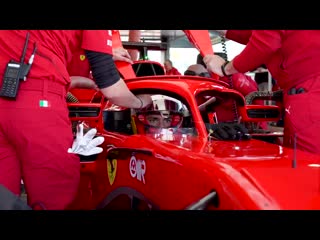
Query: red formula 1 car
(166, 156)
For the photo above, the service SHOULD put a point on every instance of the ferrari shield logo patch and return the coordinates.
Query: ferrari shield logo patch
(82, 57)
(112, 170)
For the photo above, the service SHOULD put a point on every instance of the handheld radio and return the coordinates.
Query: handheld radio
(16, 71)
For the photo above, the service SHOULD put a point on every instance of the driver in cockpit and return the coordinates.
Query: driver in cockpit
(159, 120)
(163, 117)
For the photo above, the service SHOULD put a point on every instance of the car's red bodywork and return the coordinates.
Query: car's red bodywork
(137, 170)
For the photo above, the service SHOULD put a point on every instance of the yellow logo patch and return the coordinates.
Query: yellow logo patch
(112, 170)
(82, 57)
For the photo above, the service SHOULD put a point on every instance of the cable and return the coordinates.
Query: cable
(234, 104)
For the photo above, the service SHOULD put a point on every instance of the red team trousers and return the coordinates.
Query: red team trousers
(50, 173)
(35, 129)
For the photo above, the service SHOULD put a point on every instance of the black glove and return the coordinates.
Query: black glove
(228, 131)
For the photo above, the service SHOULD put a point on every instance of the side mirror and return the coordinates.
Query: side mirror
(117, 119)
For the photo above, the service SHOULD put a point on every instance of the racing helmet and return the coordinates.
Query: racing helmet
(164, 112)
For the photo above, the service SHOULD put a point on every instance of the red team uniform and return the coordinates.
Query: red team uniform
(292, 57)
(35, 130)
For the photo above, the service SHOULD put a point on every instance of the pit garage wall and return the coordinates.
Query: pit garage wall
(184, 57)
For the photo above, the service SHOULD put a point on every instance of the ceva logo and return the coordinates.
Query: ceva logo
(137, 168)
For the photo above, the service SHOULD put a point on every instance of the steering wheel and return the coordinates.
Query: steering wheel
(202, 106)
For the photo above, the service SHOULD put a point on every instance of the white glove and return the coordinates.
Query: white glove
(85, 144)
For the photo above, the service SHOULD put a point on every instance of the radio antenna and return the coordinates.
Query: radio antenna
(294, 161)
(25, 48)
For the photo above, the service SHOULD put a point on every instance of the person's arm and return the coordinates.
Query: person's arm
(82, 82)
(134, 36)
(108, 80)
(121, 54)
(239, 36)
(262, 45)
